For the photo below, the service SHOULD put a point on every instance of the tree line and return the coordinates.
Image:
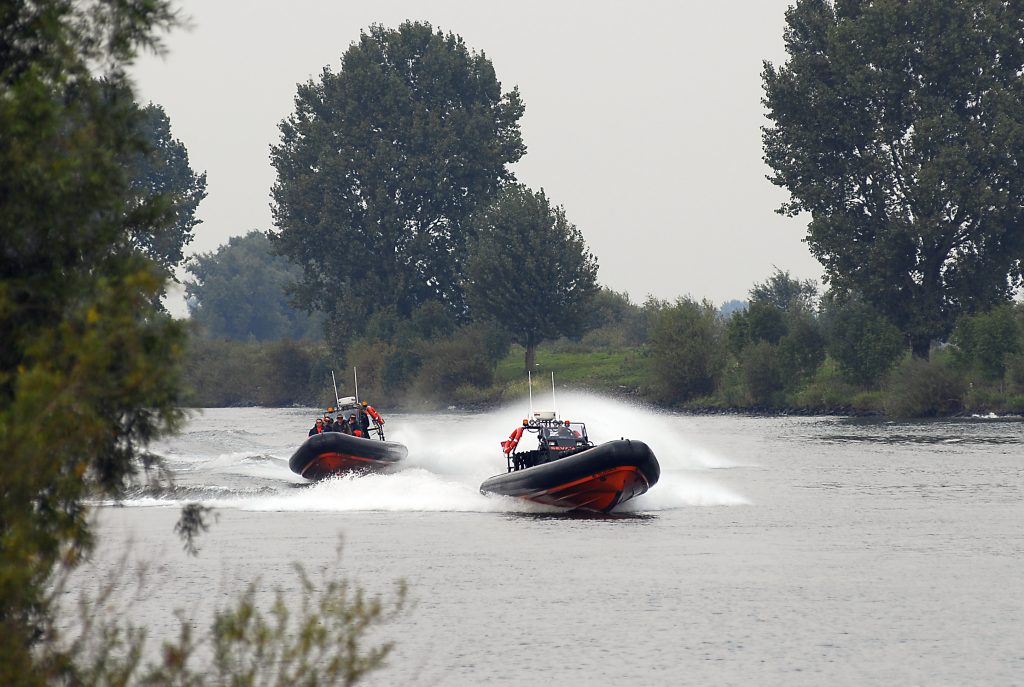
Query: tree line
(785, 349)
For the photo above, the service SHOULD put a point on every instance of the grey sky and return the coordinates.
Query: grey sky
(643, 121)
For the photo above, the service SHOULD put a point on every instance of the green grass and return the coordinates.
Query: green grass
(612, 370)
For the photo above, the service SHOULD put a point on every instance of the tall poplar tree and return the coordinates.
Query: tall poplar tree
(380, 166)
(899, 128)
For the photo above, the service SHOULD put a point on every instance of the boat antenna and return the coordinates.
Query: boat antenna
(554, 406)
(355, 378)
(337, 398)
(529, 379)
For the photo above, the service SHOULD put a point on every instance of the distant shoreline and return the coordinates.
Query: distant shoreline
(701, 411)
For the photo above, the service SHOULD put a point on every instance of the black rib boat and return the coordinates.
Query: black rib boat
(570, 472)
(334, 453)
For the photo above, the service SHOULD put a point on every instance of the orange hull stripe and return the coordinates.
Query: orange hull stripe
(601, 491)
(333, 462)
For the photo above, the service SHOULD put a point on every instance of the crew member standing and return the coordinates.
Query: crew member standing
(364, 421)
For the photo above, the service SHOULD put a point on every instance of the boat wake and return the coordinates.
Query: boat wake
(449, 456)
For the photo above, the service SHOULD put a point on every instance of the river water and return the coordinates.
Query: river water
(774, 551)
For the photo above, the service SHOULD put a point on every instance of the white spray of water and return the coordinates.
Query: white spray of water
(451, 444)
(450, 454)
(465, 450)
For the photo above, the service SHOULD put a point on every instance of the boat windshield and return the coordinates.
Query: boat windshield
(564, 436)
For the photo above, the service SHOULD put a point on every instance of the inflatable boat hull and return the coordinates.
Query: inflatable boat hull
(334, 453)
(596, 479)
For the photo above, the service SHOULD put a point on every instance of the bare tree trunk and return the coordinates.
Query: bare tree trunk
(531, 357)
(920, 345)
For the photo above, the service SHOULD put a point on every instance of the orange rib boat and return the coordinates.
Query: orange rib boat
(570, 472)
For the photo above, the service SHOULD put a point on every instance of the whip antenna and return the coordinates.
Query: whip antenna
(337, 399)
(554, 406)
(355, 378)
(529, 379)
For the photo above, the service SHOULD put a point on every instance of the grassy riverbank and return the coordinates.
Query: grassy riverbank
(241, 374)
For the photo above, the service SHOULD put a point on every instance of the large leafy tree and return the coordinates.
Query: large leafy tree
(381, 165)
(899, 126)
(239, 292)
(530, 270)
(162, 171)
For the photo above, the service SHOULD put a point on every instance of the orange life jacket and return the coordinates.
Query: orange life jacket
(373, 413)
(510, 444)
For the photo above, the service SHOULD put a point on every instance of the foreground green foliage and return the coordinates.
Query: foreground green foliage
(91, 223)
(82, 344)
(321, 644)
(314, 634)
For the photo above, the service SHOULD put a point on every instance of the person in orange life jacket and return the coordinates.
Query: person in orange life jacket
(509, 445)
(373, 413)
(318, 428)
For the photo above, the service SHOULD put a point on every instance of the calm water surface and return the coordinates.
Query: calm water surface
(774, 551)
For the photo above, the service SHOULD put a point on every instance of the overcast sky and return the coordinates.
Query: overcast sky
(642, 121)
